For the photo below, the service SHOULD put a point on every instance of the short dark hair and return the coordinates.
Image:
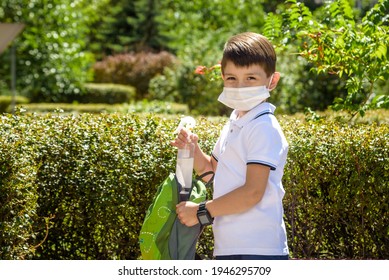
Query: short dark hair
(249, 48)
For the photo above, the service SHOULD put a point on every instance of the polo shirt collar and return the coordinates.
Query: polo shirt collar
(250, 115)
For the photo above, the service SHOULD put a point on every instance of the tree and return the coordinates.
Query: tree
(52, 58)
(129, 26)
(338, 44)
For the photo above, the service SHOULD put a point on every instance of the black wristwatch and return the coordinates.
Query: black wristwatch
(203, 215)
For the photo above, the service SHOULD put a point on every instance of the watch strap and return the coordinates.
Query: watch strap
(202, 206)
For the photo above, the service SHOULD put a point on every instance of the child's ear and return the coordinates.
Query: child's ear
(274, 81)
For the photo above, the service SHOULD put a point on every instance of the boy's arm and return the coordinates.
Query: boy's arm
(236, 201)
(244, 197)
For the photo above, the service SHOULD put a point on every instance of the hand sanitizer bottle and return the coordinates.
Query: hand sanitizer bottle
(185, 159)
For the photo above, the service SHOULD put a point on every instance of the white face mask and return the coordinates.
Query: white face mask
(244, 98)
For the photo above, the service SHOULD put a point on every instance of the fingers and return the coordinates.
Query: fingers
(186, 214)
(194, 138)
(182, 138)
(179, 142)
(183, 134)
(180, 209)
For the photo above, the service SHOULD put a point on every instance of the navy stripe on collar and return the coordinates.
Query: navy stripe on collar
(263, 113)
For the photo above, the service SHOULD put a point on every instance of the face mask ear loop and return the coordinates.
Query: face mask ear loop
(271, 79)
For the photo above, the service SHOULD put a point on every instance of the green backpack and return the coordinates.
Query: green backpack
(162, 236)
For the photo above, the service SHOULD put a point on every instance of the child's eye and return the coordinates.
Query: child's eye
(251, 78)
(230, 79)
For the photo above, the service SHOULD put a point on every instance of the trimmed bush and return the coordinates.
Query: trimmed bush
(6, 101)
(70, 108)
(337, 189)
(18, 194)
(107, 93)
(155, 107)
(135, 69)
(141, 107)
(86, 181)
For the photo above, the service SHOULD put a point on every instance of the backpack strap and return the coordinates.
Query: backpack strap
(200, 177)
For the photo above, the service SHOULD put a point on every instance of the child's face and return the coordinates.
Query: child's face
(251, 76)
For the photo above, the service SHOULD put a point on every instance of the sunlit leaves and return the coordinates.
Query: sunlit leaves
(51, 50)
(338, 44)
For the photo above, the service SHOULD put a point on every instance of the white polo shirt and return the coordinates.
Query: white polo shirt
(251, 140)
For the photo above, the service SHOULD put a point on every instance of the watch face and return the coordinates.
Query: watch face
(203, 219)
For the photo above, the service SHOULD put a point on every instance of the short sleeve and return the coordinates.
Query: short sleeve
(264, 145)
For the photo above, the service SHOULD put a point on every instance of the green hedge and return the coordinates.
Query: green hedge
(337, 191)
(6, 101)
(141, 107)
(106, 93)
(77, 187)
(74, 108)
(18, 194)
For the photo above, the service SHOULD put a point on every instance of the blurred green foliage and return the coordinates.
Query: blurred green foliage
(337, 43)
(53, 60)
(136, 69)
(6, 101)
(139, 107)
(107, 93)
(62, 41)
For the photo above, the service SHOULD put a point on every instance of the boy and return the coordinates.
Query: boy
(248, 159)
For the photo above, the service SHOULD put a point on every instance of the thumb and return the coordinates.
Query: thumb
(194, 138)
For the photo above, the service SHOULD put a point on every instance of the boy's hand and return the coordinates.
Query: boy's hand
(182, 138)
(187, 213)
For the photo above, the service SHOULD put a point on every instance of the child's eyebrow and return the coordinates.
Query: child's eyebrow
(254, 73)
(246, 74)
